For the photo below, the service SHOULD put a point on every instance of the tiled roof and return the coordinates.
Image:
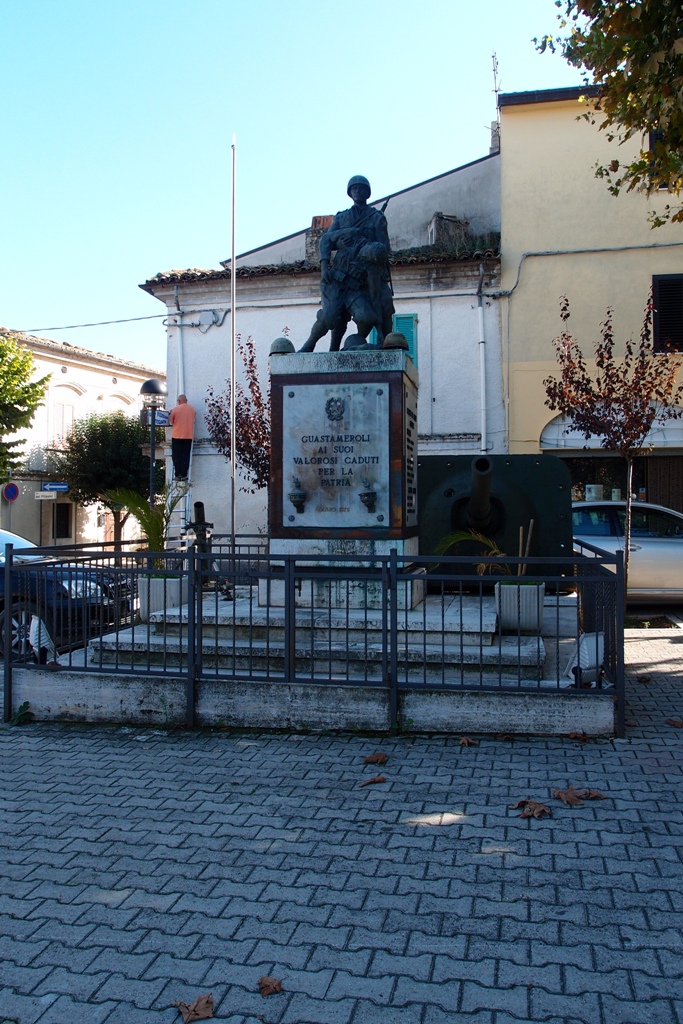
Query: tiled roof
(487, 248)
(68, 351)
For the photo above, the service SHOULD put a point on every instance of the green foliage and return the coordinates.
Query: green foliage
(489, 548)
(19, 399)
(103, 453)
(23, 715)
(153, 520)
(633, 51)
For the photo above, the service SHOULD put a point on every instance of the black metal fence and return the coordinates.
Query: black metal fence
(239, 613)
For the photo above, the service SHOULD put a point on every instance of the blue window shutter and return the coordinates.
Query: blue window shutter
(372, 336)
(406, 324)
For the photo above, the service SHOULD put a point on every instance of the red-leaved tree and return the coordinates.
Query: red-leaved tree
(621, 400)
(252, 426)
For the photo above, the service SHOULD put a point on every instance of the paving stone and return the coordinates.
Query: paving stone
(623, 1011)
(66, 1010)
(408, 990)
(435, 1015)
(23, 979)
(304, 1010)
(73, 983)
(513, 1000)
(140, 993)
(376, 990)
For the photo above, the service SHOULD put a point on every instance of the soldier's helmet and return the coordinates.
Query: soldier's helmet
(358, 179)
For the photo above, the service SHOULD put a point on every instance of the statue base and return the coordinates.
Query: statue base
(343, 469)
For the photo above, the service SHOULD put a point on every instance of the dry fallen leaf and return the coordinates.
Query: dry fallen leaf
(582, 737)
(269, 986)
(532, 809)
(631, 721)
(592, 794)
(568, 796)
(369, 782)
(467, 741)
(643, 679)
(378, 758)
(507, 736)
(676, 722)
(200, 1009)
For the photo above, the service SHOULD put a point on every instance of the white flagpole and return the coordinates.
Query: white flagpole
(233, 402)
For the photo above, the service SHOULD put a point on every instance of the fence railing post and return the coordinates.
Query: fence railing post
(393, 639)
(194, 636)
(290, 619)
(620, 680)
(7, 637)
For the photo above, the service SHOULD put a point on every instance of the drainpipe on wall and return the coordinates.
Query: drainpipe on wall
(482, 361)
(179, 346)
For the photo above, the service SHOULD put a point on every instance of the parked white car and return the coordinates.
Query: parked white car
(656, 563)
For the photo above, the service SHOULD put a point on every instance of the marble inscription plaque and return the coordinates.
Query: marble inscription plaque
(335, 456)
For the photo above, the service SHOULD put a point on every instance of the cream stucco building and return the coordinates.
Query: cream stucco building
(564, 234)
(81, 382)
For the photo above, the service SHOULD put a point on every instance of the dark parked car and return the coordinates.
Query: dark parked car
(74, 600)
(656, 562)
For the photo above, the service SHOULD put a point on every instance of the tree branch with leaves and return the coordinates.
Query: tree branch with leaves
(252, 430)
(621, 400)
(19, 398)
(103, 453)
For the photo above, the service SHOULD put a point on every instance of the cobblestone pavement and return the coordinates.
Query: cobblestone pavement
(138, 868)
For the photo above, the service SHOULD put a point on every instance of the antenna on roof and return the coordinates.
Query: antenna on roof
(495, 125)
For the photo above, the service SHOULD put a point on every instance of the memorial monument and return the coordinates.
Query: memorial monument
(355, 283)
(344, 423)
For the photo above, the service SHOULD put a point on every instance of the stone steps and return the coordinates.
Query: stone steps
(353, 661)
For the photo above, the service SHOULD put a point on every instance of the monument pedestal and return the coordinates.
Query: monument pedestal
(343, 469)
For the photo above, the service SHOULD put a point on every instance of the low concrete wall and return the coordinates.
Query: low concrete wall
(141, 700)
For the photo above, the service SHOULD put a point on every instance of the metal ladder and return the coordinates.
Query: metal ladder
(182, 513)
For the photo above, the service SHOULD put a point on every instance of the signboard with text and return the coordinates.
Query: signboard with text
(335, 455)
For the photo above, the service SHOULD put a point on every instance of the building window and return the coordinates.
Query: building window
(406, 323)
(667, 320)
(61, 521)
(402, 323)
(63, 421)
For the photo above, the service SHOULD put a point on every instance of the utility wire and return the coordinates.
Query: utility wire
(100, 323)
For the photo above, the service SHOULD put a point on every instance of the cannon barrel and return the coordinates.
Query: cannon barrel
(479, 512)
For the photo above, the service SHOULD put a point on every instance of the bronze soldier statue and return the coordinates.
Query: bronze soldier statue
(355, 285)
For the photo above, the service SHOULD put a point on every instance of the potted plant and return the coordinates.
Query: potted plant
(519, 602)
(159, 589)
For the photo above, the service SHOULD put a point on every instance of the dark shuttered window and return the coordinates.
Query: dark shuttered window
(667, 322)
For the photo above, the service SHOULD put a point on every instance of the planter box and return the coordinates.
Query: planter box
(159, 592)
(519, 606)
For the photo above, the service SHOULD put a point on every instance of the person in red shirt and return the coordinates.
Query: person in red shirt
(182, 418)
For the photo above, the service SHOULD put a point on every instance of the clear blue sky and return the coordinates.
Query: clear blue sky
(118, 120)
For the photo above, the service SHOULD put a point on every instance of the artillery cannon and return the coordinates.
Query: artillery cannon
(495, 495)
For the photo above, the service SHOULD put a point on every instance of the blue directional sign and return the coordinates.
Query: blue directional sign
(55, 485)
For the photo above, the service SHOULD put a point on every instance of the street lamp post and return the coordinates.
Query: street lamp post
(153, 393)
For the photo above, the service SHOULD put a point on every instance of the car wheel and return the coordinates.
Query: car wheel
(21, 625)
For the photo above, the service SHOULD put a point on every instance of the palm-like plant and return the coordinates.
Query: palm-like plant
(153, 520)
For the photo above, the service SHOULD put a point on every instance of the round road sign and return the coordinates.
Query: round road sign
(10, 491)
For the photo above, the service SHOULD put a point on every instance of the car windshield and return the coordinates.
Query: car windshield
(23, 549)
